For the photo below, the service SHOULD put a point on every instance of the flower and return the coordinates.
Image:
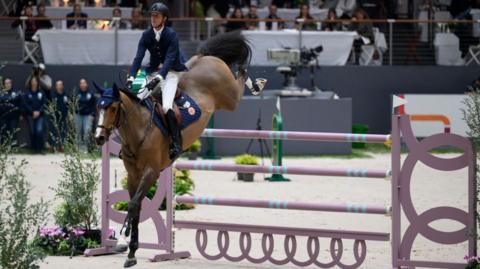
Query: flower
(78, 231)
(111, 233)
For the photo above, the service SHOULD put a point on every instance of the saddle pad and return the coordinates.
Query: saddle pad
(189, 111)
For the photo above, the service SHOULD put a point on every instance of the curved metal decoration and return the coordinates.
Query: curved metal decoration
(290, 247)
(418, 224)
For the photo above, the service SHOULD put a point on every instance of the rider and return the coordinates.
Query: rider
(162, 43)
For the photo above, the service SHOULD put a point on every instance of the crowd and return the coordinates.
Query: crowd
(47, 126)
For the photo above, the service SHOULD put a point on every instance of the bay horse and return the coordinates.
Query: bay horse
(209, 81)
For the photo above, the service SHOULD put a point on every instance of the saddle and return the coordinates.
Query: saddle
(186, 110)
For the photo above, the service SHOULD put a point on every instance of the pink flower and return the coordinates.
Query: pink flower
(111, 233)
(78, 231)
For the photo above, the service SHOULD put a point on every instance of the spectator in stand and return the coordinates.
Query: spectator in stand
(252, 14)
(45, 81)
(273, 16)
(59, 126)
(328, 4)
(371, 7)
(137, 21)
(120, 23)
(364, 29)
(78, 18)
(10, 102)
(34, 104)
(284, 3)
(345, 8)
(305, 15)
(331, 24)
(85, 113)
(240, 3)
(236, 25)
(41, 20)
(30, 25)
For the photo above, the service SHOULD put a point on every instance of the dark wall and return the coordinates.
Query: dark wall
(369, 87)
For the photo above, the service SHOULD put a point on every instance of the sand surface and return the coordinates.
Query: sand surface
(430, 188)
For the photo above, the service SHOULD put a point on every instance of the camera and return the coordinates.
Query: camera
(308, 55)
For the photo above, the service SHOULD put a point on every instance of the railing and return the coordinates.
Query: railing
(395, 42)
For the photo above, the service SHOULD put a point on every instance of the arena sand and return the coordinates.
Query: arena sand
(430, 188)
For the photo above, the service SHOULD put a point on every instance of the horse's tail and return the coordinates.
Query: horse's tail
(232, 48)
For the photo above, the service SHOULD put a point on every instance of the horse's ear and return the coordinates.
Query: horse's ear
(98, 88)
(116, 91)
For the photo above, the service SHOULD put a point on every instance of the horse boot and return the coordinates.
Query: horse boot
(174, 128)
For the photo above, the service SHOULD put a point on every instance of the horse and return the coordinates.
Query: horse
(209, 81)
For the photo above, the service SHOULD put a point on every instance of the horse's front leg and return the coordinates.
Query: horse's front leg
(134, 208)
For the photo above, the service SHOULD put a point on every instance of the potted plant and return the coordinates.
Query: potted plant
(194, 150)
(246, 159)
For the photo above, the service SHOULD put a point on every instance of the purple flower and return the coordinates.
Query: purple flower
(78, 232)
(111, 233)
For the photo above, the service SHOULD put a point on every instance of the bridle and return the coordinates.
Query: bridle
(116, 122)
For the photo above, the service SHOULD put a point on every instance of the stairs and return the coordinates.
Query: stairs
(407, 48)
(10, 43)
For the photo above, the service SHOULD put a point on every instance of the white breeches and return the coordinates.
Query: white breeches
(168, 87)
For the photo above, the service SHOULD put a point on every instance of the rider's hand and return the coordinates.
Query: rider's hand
(129, 83)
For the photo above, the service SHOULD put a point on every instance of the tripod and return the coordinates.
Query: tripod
(262, 143)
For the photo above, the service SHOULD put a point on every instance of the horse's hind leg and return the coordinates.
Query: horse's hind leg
(243, 79)
(134, 208)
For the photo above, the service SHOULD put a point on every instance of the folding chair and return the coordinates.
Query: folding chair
(473, 55)
(31, 49)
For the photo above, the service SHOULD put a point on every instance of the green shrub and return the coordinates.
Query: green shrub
(196, 146)
(246, 159)
(19, 217)
(183, 185)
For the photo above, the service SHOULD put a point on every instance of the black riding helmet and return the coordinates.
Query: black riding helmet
(160, 8)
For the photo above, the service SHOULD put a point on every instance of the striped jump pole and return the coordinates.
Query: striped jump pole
(304, 136)
(295, 170)
(274, 204)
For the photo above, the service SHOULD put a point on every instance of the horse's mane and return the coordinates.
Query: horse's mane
(131, 95)
(232, 48)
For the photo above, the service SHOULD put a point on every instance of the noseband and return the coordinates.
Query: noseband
(115, 125)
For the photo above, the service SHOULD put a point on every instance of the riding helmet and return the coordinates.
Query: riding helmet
(160, 8)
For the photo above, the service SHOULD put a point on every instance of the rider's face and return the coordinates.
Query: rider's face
(157, 20)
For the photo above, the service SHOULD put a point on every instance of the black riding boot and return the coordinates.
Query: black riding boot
(174, 128)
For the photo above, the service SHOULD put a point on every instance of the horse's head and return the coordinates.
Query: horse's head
(109, 113)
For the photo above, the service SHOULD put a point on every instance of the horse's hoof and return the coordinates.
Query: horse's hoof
(130, 262)
(121, 248)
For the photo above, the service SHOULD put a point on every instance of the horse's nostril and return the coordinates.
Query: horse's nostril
(100, 140)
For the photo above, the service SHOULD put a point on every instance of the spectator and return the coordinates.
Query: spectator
(236, 25)
(40, 73)
(252, 14)
(78, 20)
(328, 4)
(345, 8)
(331, 24)
(120, 23)
(240, 3)
(41, 20)
(304, 14)
(59, 127)
(34, 103)
(137, 21)
(363, 28)
(371, 8)
(273, 16)
(284, 3)
(85, 113)
(10, 102)
(30, 27)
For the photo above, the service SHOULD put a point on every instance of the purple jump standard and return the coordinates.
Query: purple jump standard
(297, 170)
(272, 204)
(304, 136)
